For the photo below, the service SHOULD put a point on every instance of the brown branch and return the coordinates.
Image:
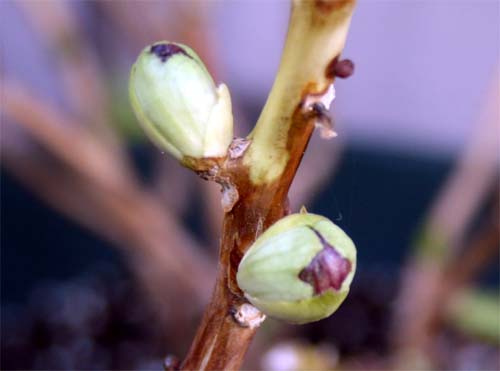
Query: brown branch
(212, 213)
(83, 181)
(63, 136)
(473, 177)
(459, 273)
(77, 60)
(315, 38)
(157, 21)
(164, 21)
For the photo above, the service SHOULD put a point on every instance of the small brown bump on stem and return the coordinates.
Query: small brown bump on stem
(165, 51)
(327, 270)
(342, 69)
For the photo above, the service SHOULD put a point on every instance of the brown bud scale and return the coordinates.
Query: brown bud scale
(327, 270)
(165, 51)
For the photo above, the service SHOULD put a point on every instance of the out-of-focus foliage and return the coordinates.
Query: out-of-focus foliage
(477, 313)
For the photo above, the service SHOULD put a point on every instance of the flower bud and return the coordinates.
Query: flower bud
(299, 270)
(178, 104)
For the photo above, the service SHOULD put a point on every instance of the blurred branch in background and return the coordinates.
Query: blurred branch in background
(475, 313)
(82, 181)
(88, 177)
(78, 63)
(185, 22)
(426, 282)
(84, 172)
(478, 253)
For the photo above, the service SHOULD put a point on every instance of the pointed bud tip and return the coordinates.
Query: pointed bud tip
(327, 270)
(166, 50)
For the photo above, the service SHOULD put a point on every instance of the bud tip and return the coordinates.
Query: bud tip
(165, 51)
(327, 270)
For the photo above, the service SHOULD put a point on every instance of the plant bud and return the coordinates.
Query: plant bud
(299, 270)
(178, 104)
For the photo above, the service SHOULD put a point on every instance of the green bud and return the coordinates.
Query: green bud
(299, 270)
(178, 104)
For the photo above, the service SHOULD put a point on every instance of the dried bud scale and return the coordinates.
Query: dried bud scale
(299, 270)
(178, 104)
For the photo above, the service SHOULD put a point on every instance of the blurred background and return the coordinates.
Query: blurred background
(108, 247)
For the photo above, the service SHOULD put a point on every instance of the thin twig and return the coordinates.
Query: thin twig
(65, 137)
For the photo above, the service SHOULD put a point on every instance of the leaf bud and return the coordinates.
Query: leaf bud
(178, 104)
(299, 270)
